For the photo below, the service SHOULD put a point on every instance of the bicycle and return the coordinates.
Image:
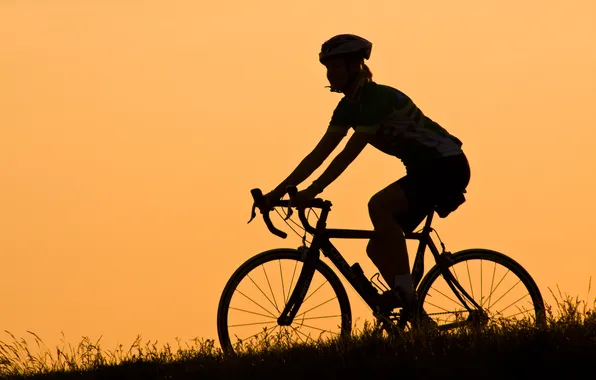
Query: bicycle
(440, 283)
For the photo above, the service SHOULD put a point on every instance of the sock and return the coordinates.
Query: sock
(404, 289)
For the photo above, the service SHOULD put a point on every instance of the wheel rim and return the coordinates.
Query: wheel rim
(259, 298)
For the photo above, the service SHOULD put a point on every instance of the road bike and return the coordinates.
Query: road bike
(288, 295)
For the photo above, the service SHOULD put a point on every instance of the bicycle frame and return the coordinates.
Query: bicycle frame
(353, 274)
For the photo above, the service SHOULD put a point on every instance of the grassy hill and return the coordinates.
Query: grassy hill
(564, 349)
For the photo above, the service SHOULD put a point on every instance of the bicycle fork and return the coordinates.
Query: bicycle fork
(304, 279)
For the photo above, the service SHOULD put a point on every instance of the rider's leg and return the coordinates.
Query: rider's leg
(388, 250)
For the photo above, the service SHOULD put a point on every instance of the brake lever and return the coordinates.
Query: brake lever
(291, 190)
(290, 212)
(253, 214)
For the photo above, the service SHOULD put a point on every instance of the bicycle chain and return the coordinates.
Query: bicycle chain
(446, 312)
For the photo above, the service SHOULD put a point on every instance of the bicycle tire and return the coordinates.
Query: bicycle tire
(265, 257)
(487, 255)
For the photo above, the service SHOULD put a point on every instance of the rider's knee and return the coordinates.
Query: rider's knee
(371, 249)
(376, 205)
(381, 205)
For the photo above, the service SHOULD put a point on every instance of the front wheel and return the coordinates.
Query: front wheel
(504, 290)
(256, 294)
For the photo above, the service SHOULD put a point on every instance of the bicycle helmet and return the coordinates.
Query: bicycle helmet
(345, 45)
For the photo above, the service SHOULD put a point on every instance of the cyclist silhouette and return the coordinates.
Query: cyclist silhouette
(437, 170)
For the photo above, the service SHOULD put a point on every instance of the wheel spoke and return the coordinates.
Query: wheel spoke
(438, 307)
(300, 332)
(271, 290)
(314, 291)
(518, 313)
(446, 296)
(292, 281)
(455, 273)
(251, 312)
(259, 305)
(320, 329)
(319, 305)
(323, 317)
(260, 332)
(491, 286)
(504, 294)
(252, 324)
(497, 287)
(481, 297)
(470, 280)
(514, 302)
(283, 290)
(263, 293)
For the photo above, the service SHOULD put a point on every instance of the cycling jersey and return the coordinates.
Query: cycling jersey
(398, 126)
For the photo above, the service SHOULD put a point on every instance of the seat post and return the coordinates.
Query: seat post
(418, 267)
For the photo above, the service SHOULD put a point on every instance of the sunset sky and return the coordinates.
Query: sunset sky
(132, 131)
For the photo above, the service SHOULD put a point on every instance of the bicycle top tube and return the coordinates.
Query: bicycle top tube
(322, 204)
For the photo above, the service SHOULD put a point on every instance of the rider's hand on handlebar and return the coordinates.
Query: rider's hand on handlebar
(271, 198)
(301, 200)
(304, 197)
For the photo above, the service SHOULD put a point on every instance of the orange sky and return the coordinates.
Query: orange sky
(131, 133)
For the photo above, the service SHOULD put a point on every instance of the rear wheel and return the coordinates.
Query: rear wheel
(258, 291)
(504, 289)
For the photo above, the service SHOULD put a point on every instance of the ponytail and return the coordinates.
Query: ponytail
(366, 72)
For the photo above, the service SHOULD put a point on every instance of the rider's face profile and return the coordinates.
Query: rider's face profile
(337, 72)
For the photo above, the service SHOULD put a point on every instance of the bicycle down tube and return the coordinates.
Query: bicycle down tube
(356, 278)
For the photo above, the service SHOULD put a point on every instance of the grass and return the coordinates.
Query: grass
(566, 347)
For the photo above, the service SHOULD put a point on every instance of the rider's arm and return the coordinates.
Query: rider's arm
(352, 149)
(313, 160)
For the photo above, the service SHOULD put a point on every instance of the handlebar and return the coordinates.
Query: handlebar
(258, 198)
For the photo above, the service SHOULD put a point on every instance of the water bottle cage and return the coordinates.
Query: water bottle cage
(378, 284)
